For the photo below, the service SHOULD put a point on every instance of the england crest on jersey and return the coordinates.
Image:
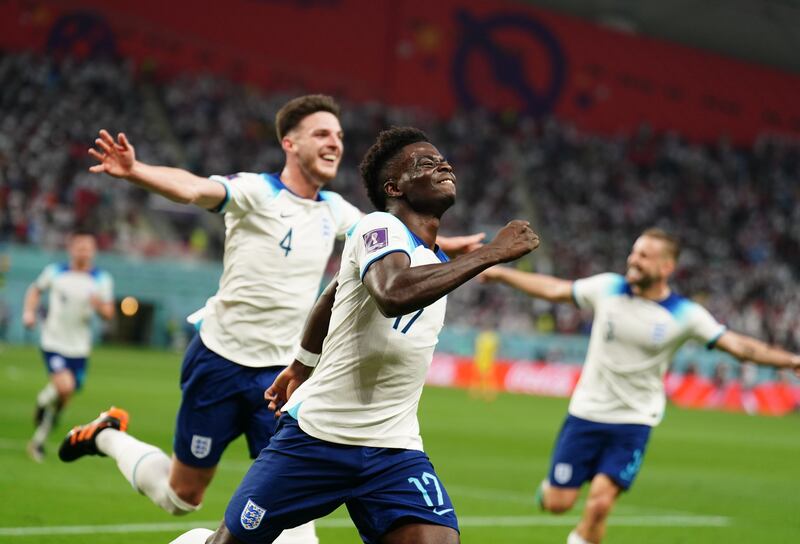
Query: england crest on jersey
(201, 446)
(252, 514)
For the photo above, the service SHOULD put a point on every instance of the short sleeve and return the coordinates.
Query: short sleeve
(703, 327)
(377, 235)
(105, 287)
(344, 214)
(244, 192)
(45, 279)
(587, 292)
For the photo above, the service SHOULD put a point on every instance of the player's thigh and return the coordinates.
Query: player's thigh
(261, 421)
(420, 533)
(400, 488)
(64, 382)
(223, 536)
(622, 459)
(578, 449)
(211, 414)
(294, 480)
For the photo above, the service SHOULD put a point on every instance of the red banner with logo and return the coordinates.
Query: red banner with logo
(559, 379)
(443, 56)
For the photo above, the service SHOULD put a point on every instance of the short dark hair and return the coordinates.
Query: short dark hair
(297, 109)
(671, 242)
(375, 165)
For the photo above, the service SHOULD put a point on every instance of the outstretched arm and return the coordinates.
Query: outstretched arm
(747, 348)
(398, 289)
(118, 159)
(458, 245)
(536, 285)
(314, 334)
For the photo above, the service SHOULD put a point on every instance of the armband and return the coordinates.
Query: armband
(306, 357)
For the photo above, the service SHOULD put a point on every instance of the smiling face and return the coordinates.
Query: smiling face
(650, 262)
(425, 178)
(316, 144)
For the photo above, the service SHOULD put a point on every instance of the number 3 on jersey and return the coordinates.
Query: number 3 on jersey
(286, 243)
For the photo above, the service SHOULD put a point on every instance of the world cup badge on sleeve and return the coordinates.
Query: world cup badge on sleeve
(252, 514)
(201, 446)
(376, 239)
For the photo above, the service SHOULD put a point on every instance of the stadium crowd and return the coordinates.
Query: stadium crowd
(588, 196)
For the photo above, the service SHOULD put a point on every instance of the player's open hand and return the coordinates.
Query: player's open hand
(285, 384)
(514, 240)
(116, 158)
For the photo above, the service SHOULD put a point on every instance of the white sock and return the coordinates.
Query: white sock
(47, 396)
(146, 468)
(575, 538)
(195, 536)
(45, 425)
(303, 534)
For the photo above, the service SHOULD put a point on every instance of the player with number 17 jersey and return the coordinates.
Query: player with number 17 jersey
(367, 386)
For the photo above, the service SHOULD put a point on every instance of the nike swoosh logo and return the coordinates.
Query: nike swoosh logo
(442, 512)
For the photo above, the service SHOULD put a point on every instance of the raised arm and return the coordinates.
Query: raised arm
(458, 245)
(747, 348)
(118, 159)
(316, 329)
(536, 285)
(398, 289)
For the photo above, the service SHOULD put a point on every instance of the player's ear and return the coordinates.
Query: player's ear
(287, 144)
(391, 189)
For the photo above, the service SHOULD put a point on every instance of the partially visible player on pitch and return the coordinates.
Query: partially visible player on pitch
(639, 324)
(76, 291)
(350, 435)
(280, 232)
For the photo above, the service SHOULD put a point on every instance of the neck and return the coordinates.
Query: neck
(657, 291)
(299, 182)
(424, 226)
(80, 266)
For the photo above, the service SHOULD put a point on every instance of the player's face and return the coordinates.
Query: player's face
(82, 249)
(649, 262)
(317, 143)
(427, 180)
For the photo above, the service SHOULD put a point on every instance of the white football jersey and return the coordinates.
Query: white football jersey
(632, 344)
(366, 388)
(67, 330)
(277, 245)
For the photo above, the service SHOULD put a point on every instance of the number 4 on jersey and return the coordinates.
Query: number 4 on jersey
(286, 243)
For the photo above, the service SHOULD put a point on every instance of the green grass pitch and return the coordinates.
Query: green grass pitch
(707, 477)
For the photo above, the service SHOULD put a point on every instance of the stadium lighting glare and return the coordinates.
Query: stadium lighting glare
(129, 306)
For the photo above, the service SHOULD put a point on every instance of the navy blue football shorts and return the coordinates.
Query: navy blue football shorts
(221, 400)
(587, 448)
(299, 478)
(55, 362)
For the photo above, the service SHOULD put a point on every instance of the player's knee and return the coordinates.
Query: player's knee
(559, 501)
(178, 505)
